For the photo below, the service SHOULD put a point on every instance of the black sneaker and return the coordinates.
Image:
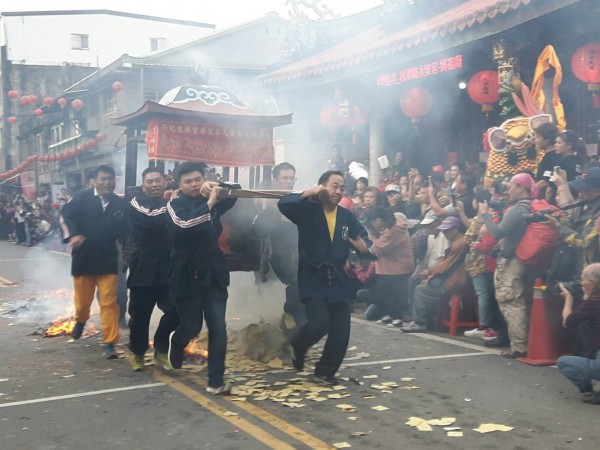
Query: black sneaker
(322, 379)
(497, 343)
(297, 360)
(77, 330)
(175, 354)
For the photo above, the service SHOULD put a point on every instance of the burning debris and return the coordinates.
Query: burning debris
(62, 326)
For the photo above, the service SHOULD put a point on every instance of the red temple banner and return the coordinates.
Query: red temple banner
(222, 145)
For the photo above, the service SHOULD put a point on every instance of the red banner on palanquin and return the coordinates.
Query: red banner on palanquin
(221, 145)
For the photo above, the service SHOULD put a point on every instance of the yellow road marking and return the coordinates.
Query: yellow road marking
(280, 424)
(253, 430)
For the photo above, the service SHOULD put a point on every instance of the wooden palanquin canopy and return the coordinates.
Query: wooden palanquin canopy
(205, 123)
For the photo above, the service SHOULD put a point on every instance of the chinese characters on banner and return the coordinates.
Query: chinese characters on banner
(422, 71)
(222, 145)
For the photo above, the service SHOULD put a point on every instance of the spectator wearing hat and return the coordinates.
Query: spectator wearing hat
(513, 283)
(394, 199)
(580, 231)
(445, 278)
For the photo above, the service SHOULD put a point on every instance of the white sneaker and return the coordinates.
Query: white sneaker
(221, 390)
(475, 332)
(385, 320)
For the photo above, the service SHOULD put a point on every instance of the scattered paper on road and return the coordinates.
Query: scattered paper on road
(230, 414)
(342, 445)
(490, 427)
(454, 434)
(380, 408)
(443, 422)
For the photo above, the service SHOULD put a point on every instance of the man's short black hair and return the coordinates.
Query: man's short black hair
(104, 168)
(323, 179)
(548, 131)
(152, 170)
(189, 167)
(469, 179)
(282, 166)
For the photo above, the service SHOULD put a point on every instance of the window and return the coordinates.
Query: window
(157, 44)
(80, 41)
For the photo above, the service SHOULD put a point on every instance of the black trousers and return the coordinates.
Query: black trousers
(210, 305)
(293, 305)
(141, 304)
(324, 318)
(391, 293)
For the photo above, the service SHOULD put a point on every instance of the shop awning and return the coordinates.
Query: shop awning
(466, 20)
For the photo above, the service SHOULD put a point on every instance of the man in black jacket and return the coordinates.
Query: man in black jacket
(148, 270)
(198, 276)
(93, 221)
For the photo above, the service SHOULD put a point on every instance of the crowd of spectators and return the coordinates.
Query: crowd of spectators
(31, 223)
(443, 232)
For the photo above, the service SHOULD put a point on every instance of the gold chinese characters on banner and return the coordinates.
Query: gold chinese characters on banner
(222, 145)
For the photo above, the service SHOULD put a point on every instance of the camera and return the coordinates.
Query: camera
(352, 257)
(539, 216)
(499, 187)
(574, 288)
(497, 205)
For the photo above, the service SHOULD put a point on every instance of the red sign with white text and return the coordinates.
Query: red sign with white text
(220, 145)
(422, 71)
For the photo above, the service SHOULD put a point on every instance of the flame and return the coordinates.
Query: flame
(194, 348)
(63, 326)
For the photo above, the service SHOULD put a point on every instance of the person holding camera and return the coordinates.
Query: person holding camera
(582, 232)
(584, 372)
(512, 282)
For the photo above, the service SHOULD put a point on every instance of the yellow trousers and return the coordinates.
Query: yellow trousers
(85, 288)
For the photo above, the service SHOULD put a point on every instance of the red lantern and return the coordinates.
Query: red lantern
(416, 103)
(12, 94)
(38, 112)
(92, 143)
(61, 102)
(77, 104)
(33, 99)
(586, 67)
(12, 120)
(24, 100)
(117, 86)
(329, 116)
(100, 137)
(48, 101)
(71, 153)
(483, 89)
(586, 63)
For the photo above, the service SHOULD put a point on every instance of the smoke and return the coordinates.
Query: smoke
(45, 289)
(250, 302)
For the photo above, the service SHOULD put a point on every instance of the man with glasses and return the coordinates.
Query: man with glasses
(282, 237)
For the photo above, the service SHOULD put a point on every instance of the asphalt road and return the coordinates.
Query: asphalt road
(56, 394)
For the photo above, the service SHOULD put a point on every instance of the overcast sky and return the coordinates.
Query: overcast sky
(222, 13)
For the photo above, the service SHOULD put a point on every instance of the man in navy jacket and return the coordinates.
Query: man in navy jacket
(148, 270)
(326, 233)
(198, 275)
(93, 221)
